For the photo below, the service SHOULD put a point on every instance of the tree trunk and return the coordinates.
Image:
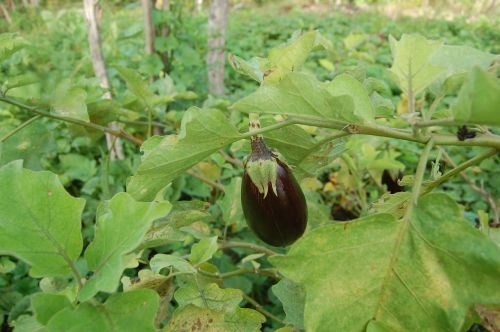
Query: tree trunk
(149, 28)
(5, 13)
(217, 23)
(91, 8)
(198, 6)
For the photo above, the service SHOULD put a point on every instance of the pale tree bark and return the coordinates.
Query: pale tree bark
(149, 27)
(198, 5)
(35, 3)
(217, 23)
(92, 17)
(5, 13)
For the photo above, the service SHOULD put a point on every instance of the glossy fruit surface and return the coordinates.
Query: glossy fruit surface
(278, 220)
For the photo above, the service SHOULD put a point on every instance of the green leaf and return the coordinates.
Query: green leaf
(203, 132)
(412, 62)
(298, 94)
(132, 311)
(353, 40)
(160, 261)
(70, 102)
(394, 204)
(380, 274)
(384, 108)
(293, 297)
(21, 80)
(230, 204)
(77, 166)
(203, 250)
(291, 56)
(461, 59)
(46, 305)
(30, 144)
(136, 84)
(193, 318)
(121, 225)
(253, 68)
(478, 99)
(347, 85)
(26, 323)
(301, 151)
(39, 220)
(210, 297)
(10, 43)
(6, 265)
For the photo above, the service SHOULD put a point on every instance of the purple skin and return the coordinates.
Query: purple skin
(277, 220)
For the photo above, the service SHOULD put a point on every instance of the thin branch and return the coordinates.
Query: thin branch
(252, 246)
(261, 309)
(458, 169)
(263, 272)
(487, 196)
(18, 128)
(206, 180)
(437, 122)
(90, 125)
(143, 123)
(228, 158)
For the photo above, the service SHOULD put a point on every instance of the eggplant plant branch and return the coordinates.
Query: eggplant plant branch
(19, 128)
(488, 140)
(90, 125)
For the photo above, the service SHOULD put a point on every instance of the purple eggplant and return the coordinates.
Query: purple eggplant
(275, 209)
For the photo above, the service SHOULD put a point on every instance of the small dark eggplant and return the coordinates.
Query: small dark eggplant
(275, 209)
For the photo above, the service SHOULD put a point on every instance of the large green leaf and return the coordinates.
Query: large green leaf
(203, 132)
(121, 225)
(479, 99)
(132, 311)
(412, 65)
(298, 94)
(381, 274)
(39, 221)
(192, 318)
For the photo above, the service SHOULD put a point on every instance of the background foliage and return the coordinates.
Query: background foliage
(158, 240)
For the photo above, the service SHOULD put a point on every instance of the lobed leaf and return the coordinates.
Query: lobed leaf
(39, 221)
(121, 225)
(203, 132)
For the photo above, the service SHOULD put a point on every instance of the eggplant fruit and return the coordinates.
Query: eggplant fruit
(278, 216)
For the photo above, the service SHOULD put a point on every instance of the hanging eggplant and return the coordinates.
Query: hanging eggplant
(273, 203)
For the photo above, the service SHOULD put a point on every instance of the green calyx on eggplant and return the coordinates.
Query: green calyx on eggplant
(273, 203)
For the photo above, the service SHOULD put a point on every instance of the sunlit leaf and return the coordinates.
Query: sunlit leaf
(380, 273)
(412, 65)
